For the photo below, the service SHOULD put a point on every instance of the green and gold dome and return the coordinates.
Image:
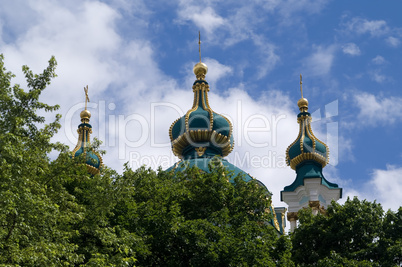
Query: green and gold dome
(93, 161)
(307, 155)
(202, 138)
(201, 131)
(306, 147)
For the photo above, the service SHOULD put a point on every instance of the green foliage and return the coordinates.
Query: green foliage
(53, 213)
(28, 215)
(196, 219)
(391, 241)
(353, 234)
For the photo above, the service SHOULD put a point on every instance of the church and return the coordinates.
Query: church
(203, 137)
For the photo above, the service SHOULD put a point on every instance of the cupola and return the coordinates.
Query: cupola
(93, 160)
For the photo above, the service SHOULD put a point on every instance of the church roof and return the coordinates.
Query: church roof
(306, 147)
(202, 137)
(307, 155)
(201, 130)
(93, 160)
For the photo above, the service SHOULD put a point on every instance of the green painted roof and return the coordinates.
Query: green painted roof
(199, 119)
(309, 170)
(91, 158)
(295, 149)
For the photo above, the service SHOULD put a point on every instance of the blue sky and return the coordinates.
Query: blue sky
(137, 58)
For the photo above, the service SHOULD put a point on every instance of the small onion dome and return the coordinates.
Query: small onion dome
(85, 115)
(306, 147)
(201, 132)
(200, 70)
(303, 104)
(93, 160)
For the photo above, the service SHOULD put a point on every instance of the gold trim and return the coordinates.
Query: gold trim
(292, 144)
(321, 142)
(305, 128)
(283, 219)
(308, 129)
(194, 108)
(314, 204)
(84, 137)
(171, 128)
(307, 156)
(276, 223)
(302, 138)
(200, 150)
(191, 136)
(92, 170)
(81, 138)
(292, 216)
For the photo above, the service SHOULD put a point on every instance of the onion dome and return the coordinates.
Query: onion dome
(202, 137)
(93, 160)
(306, 147)
(307, 155)
(201, 132)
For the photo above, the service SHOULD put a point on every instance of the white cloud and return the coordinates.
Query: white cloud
(204, 17)
(383, 186)
(216, 70)
(378, 110)
(82, 40)
(269, 58)
(378, 77)
(351, 49)
(320, 61)
(379, 60)
(363, 26)
(386, 186)
(262, 131)
(124, 73)
(393, 41)
(290, 7)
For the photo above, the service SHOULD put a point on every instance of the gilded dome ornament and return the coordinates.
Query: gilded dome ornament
(202, 138)
(93, 160)
(201, 131)
(306, 147)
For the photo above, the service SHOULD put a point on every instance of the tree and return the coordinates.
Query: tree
(353, 234)
(196, 218)
(27, 213)
(391, 241)
(52, 213)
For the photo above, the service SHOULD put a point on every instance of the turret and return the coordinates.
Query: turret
(93, 160)
(308, 155)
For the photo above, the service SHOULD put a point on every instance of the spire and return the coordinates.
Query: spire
(302, 103)
(93, 159)
(201, 138)
(201, 132)
(307, 155)
(199, 44)
(306, 147)
(200, 69)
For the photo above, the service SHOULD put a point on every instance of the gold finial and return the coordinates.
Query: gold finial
(85, 114)
(86, 96)
(199, 44)
(200, 69)
(301, 88)
(303, 102)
